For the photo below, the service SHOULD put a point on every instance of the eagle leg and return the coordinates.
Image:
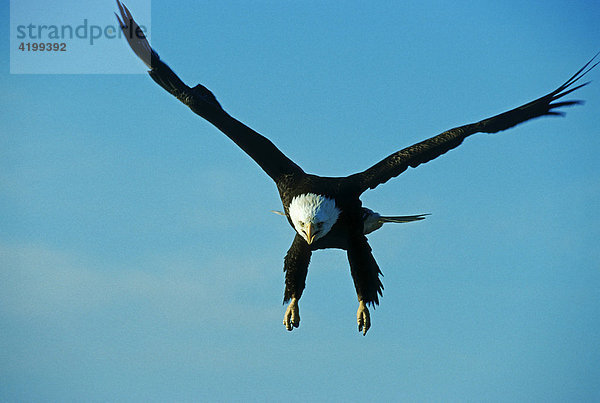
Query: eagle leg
(295, 267)
(365, 273)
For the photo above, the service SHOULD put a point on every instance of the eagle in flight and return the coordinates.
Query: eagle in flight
(326, 212)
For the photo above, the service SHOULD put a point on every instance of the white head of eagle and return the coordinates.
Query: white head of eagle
(313, 215)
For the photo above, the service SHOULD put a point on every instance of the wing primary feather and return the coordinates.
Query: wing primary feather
(577, 75)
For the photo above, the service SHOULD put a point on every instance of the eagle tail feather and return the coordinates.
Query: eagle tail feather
(402, 219)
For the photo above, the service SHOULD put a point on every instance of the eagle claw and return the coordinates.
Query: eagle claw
(291, 318)
(363, 318)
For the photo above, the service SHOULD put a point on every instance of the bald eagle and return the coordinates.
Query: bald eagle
(326, 212)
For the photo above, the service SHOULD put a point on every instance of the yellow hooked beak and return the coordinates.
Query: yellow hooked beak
(310, 236)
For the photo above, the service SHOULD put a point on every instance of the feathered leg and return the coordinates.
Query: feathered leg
(296, 268)
(365, 273)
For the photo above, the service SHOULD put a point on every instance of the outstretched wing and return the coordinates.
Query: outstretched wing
(429, 149)
(203, 102)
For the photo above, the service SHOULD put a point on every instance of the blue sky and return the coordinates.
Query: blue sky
(139, 259)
